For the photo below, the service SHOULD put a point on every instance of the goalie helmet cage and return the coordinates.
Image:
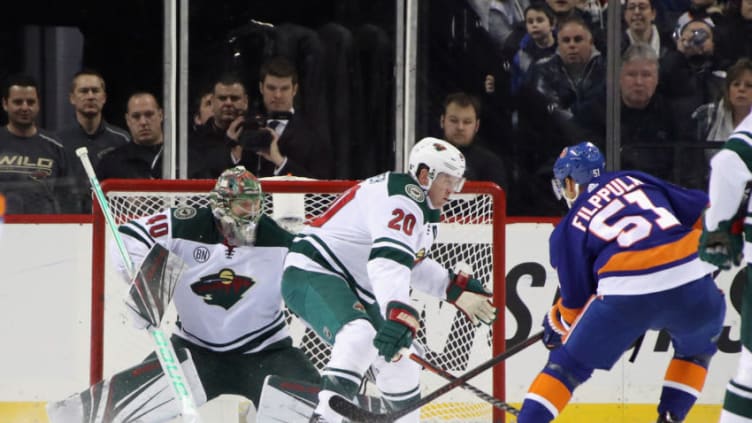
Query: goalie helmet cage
(472, 229)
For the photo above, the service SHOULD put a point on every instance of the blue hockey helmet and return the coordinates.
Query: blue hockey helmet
(581, 162)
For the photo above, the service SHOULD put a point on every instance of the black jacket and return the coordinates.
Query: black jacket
(132, 161)
(105, 139)
(309, 154)
(209, 151)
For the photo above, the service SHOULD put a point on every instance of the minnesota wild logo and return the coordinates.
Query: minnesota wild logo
(223, 289)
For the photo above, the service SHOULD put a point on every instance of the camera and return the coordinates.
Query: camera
(697, 38)
(254, 136)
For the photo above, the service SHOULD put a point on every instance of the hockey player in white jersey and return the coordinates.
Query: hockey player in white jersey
(726, 241)
(228, 299)
(349, 276)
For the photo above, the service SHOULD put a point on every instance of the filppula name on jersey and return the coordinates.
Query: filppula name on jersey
(599, 199)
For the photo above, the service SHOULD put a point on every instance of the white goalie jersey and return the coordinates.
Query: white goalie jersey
(376, 237)
(228, 298)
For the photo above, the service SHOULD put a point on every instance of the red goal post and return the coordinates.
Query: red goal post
(472, 229)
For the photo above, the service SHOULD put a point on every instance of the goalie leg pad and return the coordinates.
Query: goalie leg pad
(141, 392)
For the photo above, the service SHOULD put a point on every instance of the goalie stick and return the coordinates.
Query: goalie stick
(163, 347)
(355, 413)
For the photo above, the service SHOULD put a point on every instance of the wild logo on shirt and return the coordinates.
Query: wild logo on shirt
(223, 289)
(38, 167)
(602, 197)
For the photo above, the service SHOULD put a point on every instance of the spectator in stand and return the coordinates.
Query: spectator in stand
(557, 89)
(203, 109)
(295, 146)
(639, 17)
(213, 146)
(569, 78)
(33, 163)
(690, 76)
(699, 10)
(504, 17)
(716, 121)
(735, 34)
(88, 97)
(647, 127)
(567, 9)
(563, 10)
(460, 122)
(141, 158)
(539, 42)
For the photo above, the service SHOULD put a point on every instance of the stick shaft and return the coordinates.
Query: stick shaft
(501, 405)
(164, 350)
(353, 412)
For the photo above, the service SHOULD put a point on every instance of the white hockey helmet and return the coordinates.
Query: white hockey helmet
(438, 156)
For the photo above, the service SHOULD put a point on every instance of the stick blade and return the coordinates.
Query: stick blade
(356, 414)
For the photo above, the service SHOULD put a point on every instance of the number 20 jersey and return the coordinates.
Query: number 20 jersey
(371, 237)
(629, 234)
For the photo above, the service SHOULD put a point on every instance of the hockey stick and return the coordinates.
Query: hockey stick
(163, 347)
(501, 405)
(355, 413)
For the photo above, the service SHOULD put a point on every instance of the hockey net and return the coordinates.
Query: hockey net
(472, 230)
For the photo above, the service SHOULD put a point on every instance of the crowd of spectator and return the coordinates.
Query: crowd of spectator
(685, 81)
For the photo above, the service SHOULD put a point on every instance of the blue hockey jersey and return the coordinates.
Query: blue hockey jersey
(629, 233)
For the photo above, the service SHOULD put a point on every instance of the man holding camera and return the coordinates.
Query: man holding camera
(213, 146)
(279, 140)
(691, 76)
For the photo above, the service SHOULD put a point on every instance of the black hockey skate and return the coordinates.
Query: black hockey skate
(667, 418)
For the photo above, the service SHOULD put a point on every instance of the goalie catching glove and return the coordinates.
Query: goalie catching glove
(398, 330)
(468, 295)
(723, 246)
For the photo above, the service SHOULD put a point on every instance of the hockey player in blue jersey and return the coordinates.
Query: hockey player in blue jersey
(626, 258)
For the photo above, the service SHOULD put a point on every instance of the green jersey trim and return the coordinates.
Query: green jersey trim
(255, 338)
(137, 232)
(306, 245)
(404, 185)
(270, 234)
(394, 255)
(195, 224)
(741, 144)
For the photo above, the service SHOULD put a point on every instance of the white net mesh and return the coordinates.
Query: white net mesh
(466, 234)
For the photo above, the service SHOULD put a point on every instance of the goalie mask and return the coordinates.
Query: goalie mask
(438, 156)
(236, 202)
(582, 163)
